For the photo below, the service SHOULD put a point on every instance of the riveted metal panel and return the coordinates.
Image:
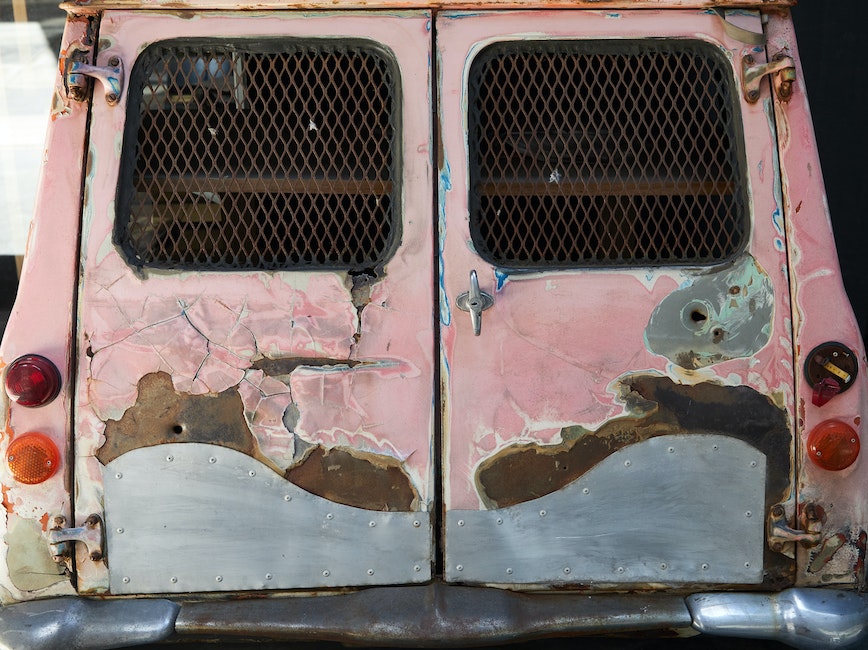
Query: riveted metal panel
(673, 509)
(195, 517)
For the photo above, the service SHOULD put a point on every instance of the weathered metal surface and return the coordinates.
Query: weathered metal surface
(821, 313)
(655, 511)
(289, 361)
(221, 521)
(723, 315)
(41, 323)
(86, 624)
(809, 619)
(434, 615)
(93, 6)
(527, 471)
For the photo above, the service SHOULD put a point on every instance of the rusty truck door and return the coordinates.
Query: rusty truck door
(623, 412)
(256, 342)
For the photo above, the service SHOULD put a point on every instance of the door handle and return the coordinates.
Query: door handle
(475, 302)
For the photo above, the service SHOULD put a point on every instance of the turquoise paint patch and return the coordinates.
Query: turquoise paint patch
(444, 186)
(501, 278)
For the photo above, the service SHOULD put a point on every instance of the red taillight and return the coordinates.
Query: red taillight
(32, 458)
(833, 445)
(32, 380)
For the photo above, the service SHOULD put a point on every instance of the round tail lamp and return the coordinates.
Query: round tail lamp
(32, 380)
(833, 445)
(32, 458)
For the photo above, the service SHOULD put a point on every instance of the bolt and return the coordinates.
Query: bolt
(76, 93)
(111, 98)
(114, 61)
(753, 95)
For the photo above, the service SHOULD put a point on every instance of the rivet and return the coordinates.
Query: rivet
(627, 463)
(585, 491)
(417, 568)
(663, 566)
(119, 475)
(747, 565)
(173, 580)
(326, 573)
(753, 463)
(509, 570)
(120, 531)
(748, 514)
(542, 513)
(620, 569)
(416, 523)
(672, 450)
(715, 447)
(252, 472)
(126, 579)
(567, 570)
(268, 576)
(704, 566)
(372, 523)
(287, 497)
(370, 572)
(499, 521)
(170, 458)
(460, 522)
(330, 516)
(459, 567)
(219, 578)
(212, 460)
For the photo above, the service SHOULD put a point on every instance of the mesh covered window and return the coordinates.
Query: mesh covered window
(605, 153)
(269, 155)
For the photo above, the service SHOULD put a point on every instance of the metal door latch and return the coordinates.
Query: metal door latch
(77, 69)
(91, 534)
(780, 533)
(783, 71)
(474, 301)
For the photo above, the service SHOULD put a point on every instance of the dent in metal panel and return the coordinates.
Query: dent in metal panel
(672, 509)
(194, 517)
(723, 315)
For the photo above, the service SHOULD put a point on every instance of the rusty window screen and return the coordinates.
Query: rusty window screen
(605, 153)
(260, 155)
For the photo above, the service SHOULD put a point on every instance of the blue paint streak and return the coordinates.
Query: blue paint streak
(444, 186)
(501, 277)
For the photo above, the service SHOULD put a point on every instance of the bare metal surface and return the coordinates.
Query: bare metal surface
(78, 624)
(433, 615)
(241, 526)
(809, 619)
(651, 512)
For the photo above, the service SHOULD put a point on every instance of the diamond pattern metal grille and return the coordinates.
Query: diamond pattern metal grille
(269, 156)
(604, 153)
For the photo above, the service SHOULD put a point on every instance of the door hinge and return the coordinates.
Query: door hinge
(782, 537)
(91, 534)
(77, 69)
(783, 71)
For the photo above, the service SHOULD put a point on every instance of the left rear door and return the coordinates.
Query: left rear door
(255, 345)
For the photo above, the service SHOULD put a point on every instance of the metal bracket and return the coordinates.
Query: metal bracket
(91, 534)
(77, 69)
(780, 533)
(783, 71)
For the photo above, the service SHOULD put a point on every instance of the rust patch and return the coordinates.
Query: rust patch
(162, 415)
(523, 472)
(359, 479)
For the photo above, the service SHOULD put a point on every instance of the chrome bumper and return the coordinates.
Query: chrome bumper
(438, 615)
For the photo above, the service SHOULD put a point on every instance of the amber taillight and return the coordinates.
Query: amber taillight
(32, 380)
(32, 458)
(833, 445)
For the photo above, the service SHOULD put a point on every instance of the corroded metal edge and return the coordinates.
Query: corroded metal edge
(95, 6)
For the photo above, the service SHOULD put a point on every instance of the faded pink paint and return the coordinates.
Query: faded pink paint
(553, 346)
(41, 320)
(821, 313)
(206, 329)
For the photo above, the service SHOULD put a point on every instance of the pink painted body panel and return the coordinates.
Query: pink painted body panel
(206, 329)
(555, 344)
(42, 318)
(821, 313)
